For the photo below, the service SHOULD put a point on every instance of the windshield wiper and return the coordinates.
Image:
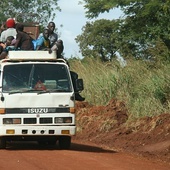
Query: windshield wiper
(22, 91)
(39, 91)
(17, 91)
(29, 90)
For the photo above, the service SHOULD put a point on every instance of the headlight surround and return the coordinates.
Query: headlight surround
(63, 120)
(11, 121)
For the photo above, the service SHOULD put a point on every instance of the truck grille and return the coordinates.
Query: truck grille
(30, 120)
(46, 120)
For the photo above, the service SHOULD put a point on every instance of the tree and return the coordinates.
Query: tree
(29, 10)
(99, 38)
(146, 23)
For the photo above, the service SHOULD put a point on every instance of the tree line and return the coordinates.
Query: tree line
(143, 32)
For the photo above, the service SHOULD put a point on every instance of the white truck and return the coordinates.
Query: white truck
(37, 101)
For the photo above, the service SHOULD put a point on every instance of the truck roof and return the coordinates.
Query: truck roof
(14, 56)
(31, 55)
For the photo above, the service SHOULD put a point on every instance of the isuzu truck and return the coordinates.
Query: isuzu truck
(37, 99)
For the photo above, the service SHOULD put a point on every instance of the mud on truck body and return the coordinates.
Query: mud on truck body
(37, 101)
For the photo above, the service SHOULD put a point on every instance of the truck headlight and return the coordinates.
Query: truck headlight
(59, 120)
(11, 120)
(63, 120)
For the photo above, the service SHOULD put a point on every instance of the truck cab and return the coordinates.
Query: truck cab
(37, 99)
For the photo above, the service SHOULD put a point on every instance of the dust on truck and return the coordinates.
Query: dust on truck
(37, 101)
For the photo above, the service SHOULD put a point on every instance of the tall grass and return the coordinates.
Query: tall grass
(143, 88)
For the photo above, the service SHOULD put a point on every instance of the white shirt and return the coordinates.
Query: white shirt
(8, 32)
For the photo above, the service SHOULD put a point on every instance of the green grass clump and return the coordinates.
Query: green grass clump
(143, 88)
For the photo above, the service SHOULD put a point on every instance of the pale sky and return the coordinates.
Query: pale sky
(72, 17)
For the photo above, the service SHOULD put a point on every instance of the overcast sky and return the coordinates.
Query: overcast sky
(72, 17)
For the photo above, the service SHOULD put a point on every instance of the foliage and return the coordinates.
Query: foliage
(99, 38)
(144, 89)
(29, 11)
(146, 24)
(95, 7)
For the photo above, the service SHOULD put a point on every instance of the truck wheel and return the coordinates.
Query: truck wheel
(64, 142)
(2, 143)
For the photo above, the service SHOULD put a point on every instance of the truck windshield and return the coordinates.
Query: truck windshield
(22, 78)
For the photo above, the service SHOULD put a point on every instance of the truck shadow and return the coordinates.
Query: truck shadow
(74, 147)
(90, 148)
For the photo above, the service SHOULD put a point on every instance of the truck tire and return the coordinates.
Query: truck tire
(2, 143)
(64, 142)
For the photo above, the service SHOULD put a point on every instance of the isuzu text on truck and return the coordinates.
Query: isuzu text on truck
(37, 101)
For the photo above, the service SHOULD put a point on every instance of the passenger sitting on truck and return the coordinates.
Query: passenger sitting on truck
(53, 36)
(23, 40)
(10, 42)
(10, 31)
(7, 46)
(43, 43)
(56, 45)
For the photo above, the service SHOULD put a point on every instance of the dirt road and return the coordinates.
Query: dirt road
(29, 156)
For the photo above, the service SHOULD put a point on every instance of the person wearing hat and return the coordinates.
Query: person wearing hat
(10, 31)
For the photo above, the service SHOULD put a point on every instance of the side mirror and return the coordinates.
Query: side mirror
(79, 85)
